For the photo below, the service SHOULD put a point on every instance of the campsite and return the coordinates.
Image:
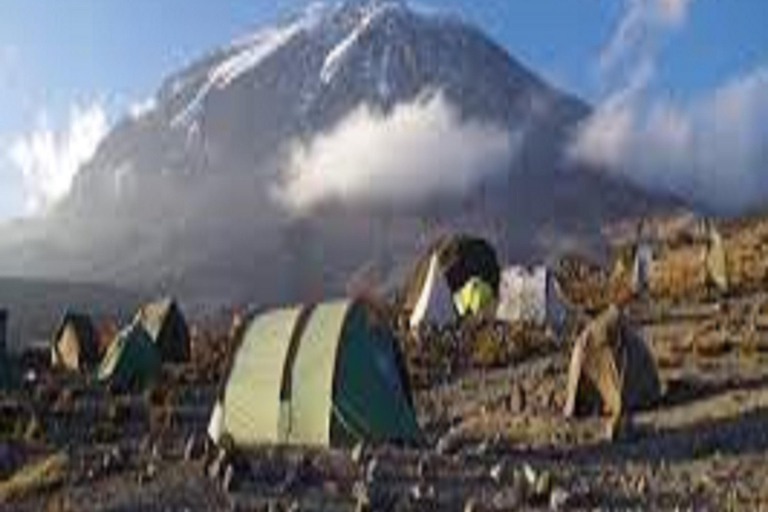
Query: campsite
(383, 255)
(653, 402)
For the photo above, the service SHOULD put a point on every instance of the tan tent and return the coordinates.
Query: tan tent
(75, 344)
(611, 369)
(166, 325)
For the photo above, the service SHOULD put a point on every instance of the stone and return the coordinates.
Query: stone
(217, 467)
(151, 470)
(421, 493)
(642, 485)
(471, 505)
(372, 471)
(482, 449)
(501, 472)
(358, 453)
(508, 499)
(422, 467)
(361, 496)
(516, 400)
(544, 484)
(228, 482)
(446, 445)
(192, 448)
(156, 451)
(530, 475)
(560, 499)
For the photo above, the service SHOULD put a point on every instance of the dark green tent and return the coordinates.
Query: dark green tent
(325, 375)
(167, 327)
(132, 360)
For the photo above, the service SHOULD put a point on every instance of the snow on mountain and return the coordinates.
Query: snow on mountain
(180, 198)
(245, 57)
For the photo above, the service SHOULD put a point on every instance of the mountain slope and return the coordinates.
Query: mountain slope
(182, 197)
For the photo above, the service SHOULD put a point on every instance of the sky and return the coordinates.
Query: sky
(68, 70)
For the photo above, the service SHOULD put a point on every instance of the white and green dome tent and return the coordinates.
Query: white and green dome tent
(328, 375)
(132, 360)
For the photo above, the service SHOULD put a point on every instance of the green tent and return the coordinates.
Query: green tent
(132, 360)
(324, 375)
(167, 327)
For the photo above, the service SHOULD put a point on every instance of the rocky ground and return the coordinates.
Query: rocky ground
(495, 437)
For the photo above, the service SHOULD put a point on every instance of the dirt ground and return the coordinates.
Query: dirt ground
(495, 438)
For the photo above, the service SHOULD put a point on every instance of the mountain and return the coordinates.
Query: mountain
(181, 197)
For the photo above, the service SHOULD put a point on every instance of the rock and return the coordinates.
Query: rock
(151, 471)
(118, 455)
(471, 505)
(560, 499)
(228, 482)
(501, 472)
(641, 485)
(508, 499)
(544, 484)
(372, 471)
(421, 493)
(108, 463)
(217, 467)
(516, 400)
(361, 496)
(358, 453)
(193, 448)
(482, 449)
(156, 451)
(422, 467)
(447, 444)
(530, 475)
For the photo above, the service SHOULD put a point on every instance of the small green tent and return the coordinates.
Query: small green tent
(132, 360)
(167, 327)
(325, 375)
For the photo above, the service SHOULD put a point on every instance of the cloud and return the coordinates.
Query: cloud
(639, 30)
(49, 161)
(419, 150)
(712, 149)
